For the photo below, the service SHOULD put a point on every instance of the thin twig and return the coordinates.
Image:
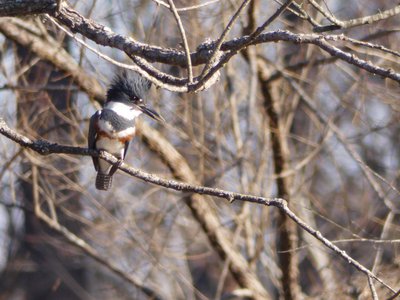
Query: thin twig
(184, 39)
(325, 13)
(297, 10)
(372, 288)
(343, 140)
(362, 43)
(272, 18)
(372, 241)
(338, 24)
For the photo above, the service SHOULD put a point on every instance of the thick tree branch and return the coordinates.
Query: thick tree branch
(105, 36)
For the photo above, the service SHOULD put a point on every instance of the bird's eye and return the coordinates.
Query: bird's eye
(137, 100)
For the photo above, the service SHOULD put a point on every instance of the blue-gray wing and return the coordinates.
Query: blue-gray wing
(92, 135)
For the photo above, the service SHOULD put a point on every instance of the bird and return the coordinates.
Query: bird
(113, 127)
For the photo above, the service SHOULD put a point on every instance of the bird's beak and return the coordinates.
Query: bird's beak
(151, 113)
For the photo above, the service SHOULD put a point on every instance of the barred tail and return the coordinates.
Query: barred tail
(103, 181)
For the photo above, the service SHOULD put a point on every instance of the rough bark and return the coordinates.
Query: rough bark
(26, 7)
(286, 237)
(286, 229)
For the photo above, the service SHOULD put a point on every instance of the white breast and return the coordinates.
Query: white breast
(110, 145)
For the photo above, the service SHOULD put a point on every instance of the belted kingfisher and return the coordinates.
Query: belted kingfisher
(113, 127)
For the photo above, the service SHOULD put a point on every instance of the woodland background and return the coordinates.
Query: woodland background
(294, 101)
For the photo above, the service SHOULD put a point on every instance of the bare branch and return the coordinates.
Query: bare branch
(187, 8)
(372, 288)
(221, 39)
(397, 294)
(325, 13)
(44, 148)
(260, 29)
(307, 39)
(104, 36)
(135, 68)
(364, 44)
(184, 39)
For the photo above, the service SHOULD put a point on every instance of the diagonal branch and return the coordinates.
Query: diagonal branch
(44, 148)
(278, 12)
(93, 253)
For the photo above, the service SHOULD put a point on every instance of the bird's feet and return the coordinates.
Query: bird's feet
(119, 163)
(115, 166)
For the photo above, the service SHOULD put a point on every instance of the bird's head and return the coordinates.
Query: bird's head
(131, 89)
